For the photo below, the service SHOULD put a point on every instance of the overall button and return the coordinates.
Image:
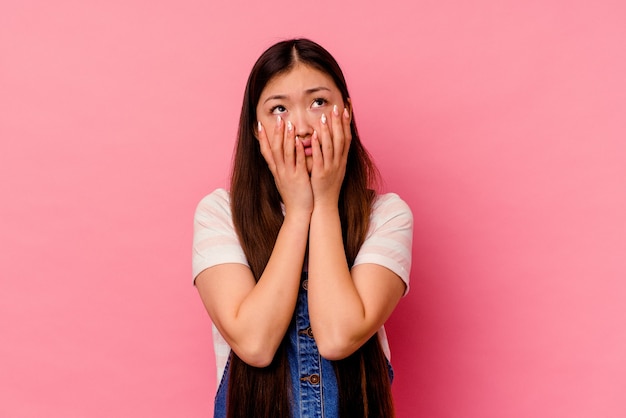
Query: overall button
(305, 284)
(314, 379)
(307, 331)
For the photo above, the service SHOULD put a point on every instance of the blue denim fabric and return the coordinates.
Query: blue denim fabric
(314, 385)
(221, 397)
(313, 377)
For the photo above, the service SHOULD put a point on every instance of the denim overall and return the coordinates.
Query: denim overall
(314, 385)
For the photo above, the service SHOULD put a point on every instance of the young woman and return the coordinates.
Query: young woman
(301, 263)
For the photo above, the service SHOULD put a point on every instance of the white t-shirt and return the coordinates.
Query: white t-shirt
(387, 243)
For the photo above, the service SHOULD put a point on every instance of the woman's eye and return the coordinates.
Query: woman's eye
(278, 109)
(319, 102)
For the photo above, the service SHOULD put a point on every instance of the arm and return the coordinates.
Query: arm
(253, 317)
(346, 307)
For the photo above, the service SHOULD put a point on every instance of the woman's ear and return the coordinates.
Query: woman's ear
(349, 107)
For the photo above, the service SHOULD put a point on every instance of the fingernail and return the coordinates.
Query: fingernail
(289, 126)
(314, 134)
(323, 118)
(335, 110)
(345, 113)
(278, 120)
(259, 126)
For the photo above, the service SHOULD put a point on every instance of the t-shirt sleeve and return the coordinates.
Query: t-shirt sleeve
(214, 238)
(389, 238)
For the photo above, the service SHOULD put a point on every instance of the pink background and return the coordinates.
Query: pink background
(501, 123)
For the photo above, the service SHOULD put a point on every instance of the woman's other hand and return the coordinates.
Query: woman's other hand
(284, 154)
(330, 153)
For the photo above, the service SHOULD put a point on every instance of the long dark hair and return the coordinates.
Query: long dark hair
(257, 217)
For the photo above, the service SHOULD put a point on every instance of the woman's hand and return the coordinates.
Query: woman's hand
(285, 157)
(330, 154)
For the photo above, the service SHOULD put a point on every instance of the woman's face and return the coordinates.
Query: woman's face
(299, 96)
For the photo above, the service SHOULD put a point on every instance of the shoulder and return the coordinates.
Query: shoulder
(213, 216)
(218, 199)
(215, 204)
(389, 239)
(215, 240)
(389, 206)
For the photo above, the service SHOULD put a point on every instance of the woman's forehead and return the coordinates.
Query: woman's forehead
(298, 79)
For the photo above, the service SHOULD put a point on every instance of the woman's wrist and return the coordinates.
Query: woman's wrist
(298, 216)
(325, 208)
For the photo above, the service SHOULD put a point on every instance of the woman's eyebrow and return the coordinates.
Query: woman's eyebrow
(307, 91)
(316, 89)
(275, 97)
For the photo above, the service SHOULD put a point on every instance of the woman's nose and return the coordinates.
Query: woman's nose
(302, 123)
